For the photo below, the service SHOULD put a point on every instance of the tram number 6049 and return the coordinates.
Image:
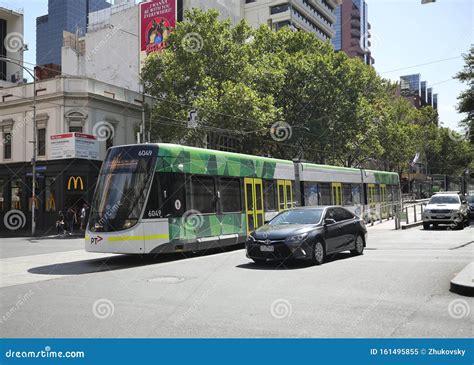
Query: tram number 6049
(145, 153)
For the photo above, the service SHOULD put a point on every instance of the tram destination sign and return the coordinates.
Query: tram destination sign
(74, 145)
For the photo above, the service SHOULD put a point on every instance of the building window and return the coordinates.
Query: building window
(50, 195)
(230, 196)
(109, 142)
(7, 146)
(279, 8)
(75, 129)
(42, 142)
(15, 193)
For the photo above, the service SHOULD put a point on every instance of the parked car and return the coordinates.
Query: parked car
(446, 208)
(308, 233)
(470, 201)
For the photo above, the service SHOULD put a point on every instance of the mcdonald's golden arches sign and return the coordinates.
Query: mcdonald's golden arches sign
(75, 183)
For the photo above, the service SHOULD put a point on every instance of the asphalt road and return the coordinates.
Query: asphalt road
(398, 288)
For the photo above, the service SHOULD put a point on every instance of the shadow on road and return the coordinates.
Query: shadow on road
(293, 264)
(121, 262)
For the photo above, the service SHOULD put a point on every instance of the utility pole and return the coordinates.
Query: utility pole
(34, 142)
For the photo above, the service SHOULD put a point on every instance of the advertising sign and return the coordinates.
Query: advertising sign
(157, 20)
(74, 145)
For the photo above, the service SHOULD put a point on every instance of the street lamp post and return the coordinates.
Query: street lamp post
(33, 187)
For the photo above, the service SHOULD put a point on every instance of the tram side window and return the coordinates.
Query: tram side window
(230, 195)
(310, 193)
(325, 194)
(347, 194)
(356, 198)
(377, 193)
(203, 195)
(173, 194)
(269, 195)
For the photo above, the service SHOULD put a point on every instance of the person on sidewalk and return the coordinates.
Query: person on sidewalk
(60, 223)
(83, 216)
(71, 219)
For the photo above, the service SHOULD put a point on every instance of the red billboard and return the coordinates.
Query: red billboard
(157, 20)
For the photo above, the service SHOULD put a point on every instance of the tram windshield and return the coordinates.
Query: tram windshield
(122, 188)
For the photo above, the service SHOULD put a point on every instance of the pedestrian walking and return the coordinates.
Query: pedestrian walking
(60, 223)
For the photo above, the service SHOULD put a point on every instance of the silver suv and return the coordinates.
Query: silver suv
(446, 208)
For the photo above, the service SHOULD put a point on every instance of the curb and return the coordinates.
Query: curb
(412, 225)
(463, 283)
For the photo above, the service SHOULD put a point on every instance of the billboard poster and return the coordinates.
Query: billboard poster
(74, 145)
(157, 20)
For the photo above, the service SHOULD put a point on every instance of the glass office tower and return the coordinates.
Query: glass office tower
(63, 15)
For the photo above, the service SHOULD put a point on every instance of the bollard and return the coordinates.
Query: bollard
(414, 211)
(406, 212)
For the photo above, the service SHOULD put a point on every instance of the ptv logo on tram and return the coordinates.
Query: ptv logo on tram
(96, 240)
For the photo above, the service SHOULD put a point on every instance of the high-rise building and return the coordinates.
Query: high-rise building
(417, 92)
(435, 101)
(63, 15)
(352, 30)
(11, 46)
(315, 16)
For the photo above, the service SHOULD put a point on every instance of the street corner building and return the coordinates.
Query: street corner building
(77, 120)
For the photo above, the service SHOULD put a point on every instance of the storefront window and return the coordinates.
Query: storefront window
(15, 191)
(50, 195)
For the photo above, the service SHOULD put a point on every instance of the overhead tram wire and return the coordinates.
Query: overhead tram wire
(421, 64)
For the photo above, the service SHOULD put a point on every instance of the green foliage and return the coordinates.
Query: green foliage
(243, 81)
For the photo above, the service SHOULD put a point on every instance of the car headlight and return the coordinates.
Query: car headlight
(427, 211)
(251, 238)
(296, 239)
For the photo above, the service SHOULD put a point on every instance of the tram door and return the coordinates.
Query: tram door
(383, 205)
(337, 193)
(371, 199)
(285, 195)
(254, 203)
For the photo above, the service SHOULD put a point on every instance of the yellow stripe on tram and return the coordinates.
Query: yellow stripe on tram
(139, 238)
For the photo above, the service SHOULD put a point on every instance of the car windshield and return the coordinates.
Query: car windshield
(444, 199)
(470, 198)
(300, 216)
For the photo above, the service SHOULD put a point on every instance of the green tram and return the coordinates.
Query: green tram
(156, 198)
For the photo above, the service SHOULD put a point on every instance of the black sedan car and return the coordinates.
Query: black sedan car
(470, 201)
(308, 233)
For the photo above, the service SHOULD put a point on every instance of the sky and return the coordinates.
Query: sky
(407, 38)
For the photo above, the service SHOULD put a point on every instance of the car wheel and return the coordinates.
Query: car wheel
(260, 261)
(359, 246)
(318, 253)
(426, 226)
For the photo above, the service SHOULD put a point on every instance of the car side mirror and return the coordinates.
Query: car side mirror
(329, 221)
